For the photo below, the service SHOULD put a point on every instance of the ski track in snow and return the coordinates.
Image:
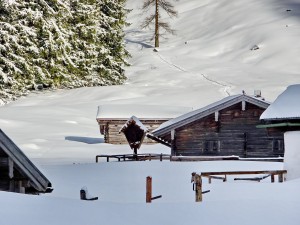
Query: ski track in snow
(226, 88)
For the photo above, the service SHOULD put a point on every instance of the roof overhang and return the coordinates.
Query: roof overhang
(274, 125)
(209, 110)
(38, 180)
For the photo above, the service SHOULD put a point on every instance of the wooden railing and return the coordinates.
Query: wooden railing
(272, 173)
(135, 157)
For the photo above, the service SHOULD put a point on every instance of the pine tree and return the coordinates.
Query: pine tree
(53, 43)
(156, 17)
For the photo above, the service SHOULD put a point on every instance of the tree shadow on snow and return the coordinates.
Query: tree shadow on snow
(144, 45)
(86, 140)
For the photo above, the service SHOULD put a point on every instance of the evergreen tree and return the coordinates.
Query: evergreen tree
(156, 17)
(55, 43)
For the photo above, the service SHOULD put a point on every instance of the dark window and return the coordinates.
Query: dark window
(211, 146)
(278, 145)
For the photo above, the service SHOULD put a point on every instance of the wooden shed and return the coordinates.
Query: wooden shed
(227, 127)
(111, 119)
(17, 172)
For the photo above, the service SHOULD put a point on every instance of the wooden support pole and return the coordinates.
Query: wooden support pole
(173, 143)
(135, 154)
(148, 189)
(10, 168)
(198, 191)
(272, 178)
(280, 177)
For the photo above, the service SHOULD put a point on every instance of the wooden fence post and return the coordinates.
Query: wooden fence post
(148, 189)
(198, 191)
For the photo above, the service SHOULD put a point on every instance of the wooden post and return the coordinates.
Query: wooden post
(173, 143)
(148, 189)
(135, 153)
(10, 168)
(198, 190)
(280, 177)
(272, 178)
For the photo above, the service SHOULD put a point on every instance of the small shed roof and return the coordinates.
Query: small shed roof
(37, 179)
(207, 110)
(286, 106)
(158, 112)
(134, 131)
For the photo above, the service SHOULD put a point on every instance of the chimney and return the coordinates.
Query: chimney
(257, 93)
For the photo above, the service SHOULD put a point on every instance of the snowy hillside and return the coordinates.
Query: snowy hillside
(208, 59)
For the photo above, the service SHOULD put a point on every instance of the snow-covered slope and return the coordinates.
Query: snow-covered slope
(208, 59)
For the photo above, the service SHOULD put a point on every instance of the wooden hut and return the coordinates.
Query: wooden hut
(17, 172)
(227, 127)
(111, 119)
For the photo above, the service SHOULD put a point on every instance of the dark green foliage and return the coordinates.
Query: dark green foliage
(71, 43)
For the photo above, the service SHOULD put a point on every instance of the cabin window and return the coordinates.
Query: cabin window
(278, 145)
(211, 146)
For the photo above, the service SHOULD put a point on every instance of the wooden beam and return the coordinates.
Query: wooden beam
(275, 172)
(243, 105)
(10, 168)
(173, 142)
(158, 140)
(216, 116)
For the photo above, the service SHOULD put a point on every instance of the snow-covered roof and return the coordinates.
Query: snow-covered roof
(207, 110)
(107, 112)
(137, 122)
(37, 179)
(286, 106)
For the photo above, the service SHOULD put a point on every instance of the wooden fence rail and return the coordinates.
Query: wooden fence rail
(135, 157)
(272, 173)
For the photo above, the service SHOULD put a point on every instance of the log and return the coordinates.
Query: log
(254, 178)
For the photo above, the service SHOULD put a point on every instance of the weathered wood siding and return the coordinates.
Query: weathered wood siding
(18, 182)
(234, 133)
(110, 129)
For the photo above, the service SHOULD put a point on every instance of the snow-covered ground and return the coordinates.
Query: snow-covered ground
(208, 59)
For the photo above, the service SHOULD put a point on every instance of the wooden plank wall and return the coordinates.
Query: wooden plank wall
(17, 182)
(112, 127)
(234, 134)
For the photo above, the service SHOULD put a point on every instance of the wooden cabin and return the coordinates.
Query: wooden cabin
(224, 128)
(111, 119)
(17, 172)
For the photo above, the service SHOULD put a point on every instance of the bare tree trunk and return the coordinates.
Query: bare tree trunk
(156, 25)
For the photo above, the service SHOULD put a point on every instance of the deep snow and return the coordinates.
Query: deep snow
(208, 59)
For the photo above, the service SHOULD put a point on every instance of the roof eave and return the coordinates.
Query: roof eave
(209, 111)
